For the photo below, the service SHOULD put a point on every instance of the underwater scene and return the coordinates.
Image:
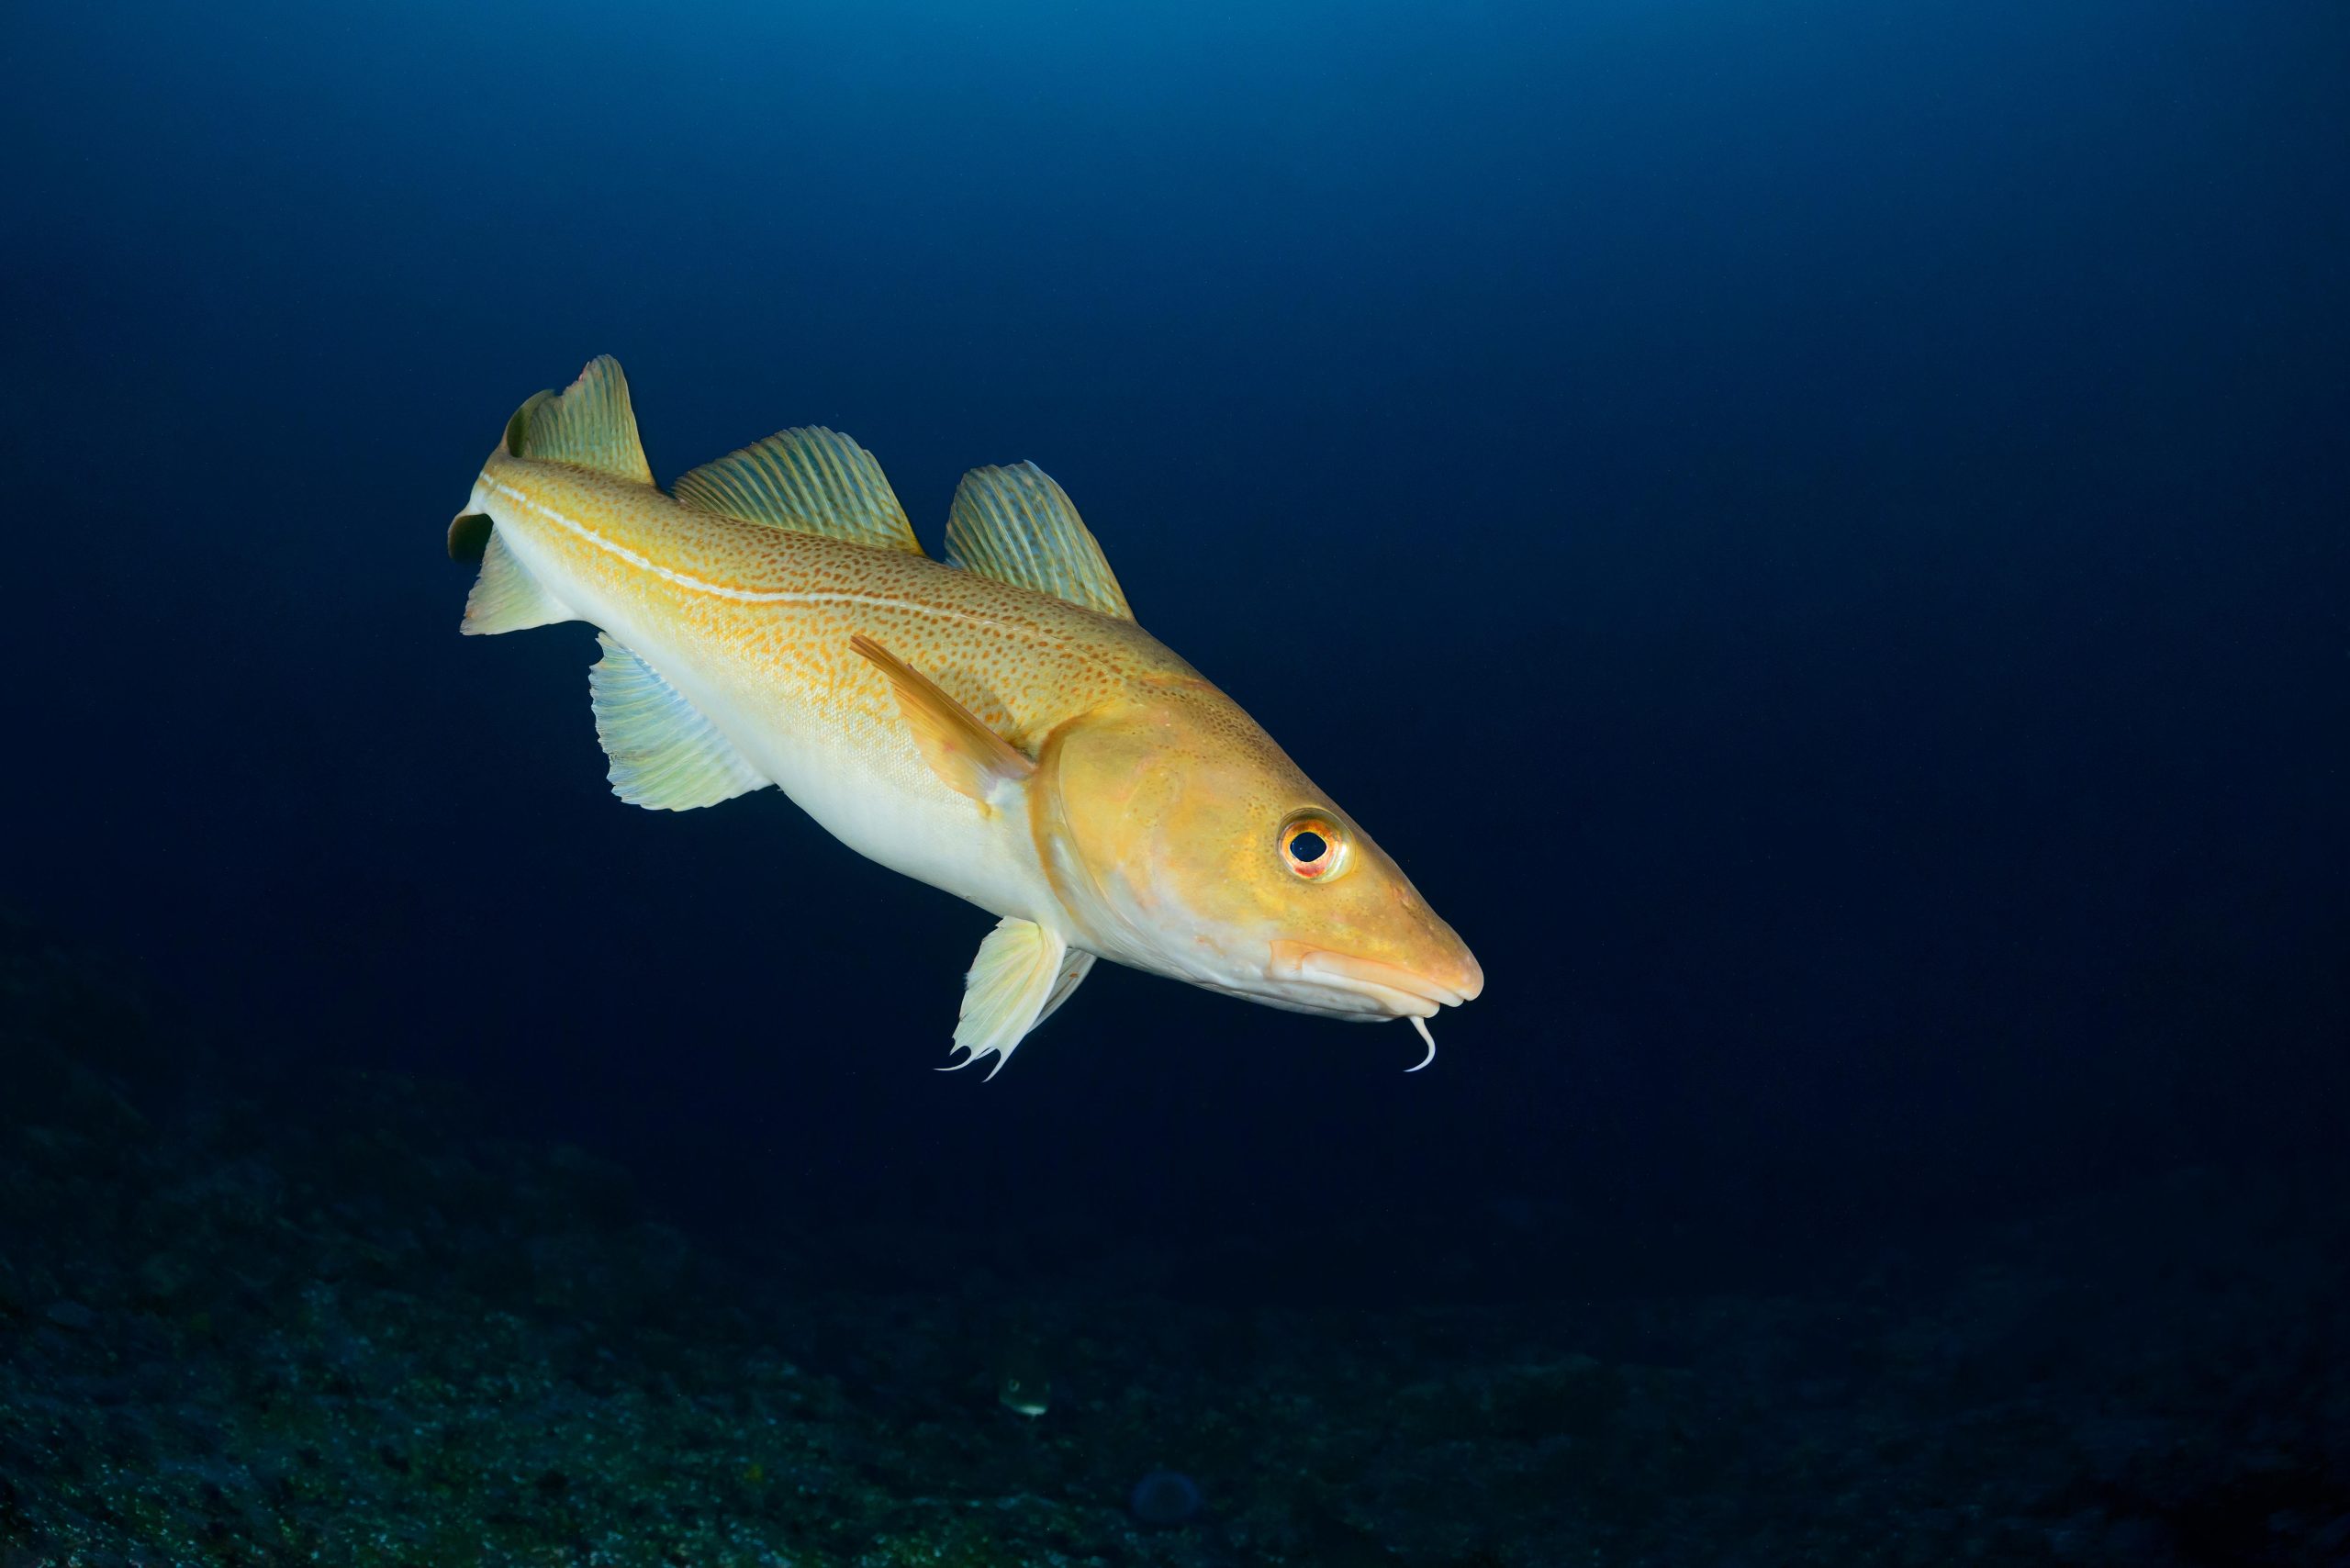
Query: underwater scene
(1021, 784)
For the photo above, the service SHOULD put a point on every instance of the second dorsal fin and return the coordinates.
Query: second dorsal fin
(588, 424)
(809, 480)
(1015, 525)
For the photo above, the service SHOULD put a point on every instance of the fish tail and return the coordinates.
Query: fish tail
(591, 424)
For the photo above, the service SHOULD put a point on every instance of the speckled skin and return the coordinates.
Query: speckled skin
(753, 624)
(1149, 833)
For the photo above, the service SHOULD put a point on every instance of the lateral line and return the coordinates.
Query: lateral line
(744, 596)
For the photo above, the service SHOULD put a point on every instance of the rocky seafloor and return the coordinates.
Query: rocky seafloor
(370, 1334)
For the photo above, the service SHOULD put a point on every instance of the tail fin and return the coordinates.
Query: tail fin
(589, 424)
(507, 598)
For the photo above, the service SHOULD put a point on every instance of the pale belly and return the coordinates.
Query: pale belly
(861, 778)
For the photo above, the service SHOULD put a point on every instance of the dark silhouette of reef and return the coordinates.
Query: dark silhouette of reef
(256, 1319)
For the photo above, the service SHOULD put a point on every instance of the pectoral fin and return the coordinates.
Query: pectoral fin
(968, 757)
(1022, 974)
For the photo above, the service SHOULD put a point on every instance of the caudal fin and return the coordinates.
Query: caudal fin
(507, 598)
(588, 424)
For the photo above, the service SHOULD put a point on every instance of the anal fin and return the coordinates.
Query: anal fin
(507, 598)
(1023, 972)
(665, 754)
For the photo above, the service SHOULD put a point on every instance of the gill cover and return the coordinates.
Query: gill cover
(1171, 826)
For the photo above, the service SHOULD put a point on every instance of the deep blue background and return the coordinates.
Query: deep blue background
(1816, 532)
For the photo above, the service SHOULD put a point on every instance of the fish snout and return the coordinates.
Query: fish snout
(1467, 977)
(1351, 984)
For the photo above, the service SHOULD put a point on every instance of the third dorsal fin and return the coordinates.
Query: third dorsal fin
(1015, 525)
(810, 480)
(588, 424)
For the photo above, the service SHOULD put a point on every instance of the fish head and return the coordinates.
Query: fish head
(1187, 842)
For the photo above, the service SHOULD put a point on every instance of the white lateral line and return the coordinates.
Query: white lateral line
(744, 596)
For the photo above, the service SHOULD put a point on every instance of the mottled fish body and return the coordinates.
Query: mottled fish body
(996, 725)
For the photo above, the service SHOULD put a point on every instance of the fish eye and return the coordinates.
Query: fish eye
(1313, 848)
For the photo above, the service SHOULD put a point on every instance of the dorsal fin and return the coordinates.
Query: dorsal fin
(810, 480)
(1015, 525)
(588, 424)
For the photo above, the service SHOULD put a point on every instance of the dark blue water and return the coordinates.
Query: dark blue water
(1817, 539)
(1815, 532)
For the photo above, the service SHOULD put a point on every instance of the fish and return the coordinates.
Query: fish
(1024, 1380)
(995, 723)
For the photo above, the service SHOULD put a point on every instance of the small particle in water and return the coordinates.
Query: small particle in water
(1165, 1497)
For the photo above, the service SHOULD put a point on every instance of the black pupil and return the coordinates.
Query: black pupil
(1308, 846)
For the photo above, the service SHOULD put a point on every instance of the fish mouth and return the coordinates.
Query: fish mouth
(1393, 989)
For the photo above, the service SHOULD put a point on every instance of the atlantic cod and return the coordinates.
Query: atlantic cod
(995, 724)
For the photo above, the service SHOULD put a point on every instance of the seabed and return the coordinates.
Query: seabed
(369, 1335)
